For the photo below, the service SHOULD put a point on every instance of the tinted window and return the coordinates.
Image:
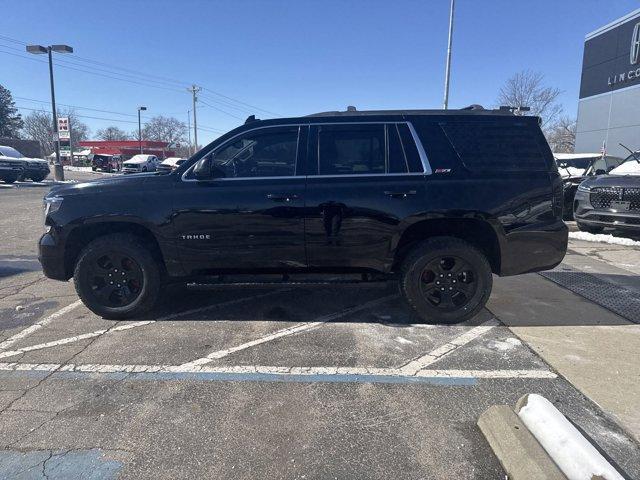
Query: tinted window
(10, 152)
(397, 159)
(410, 149)
(351, 149)
(496, 147)
(269, 152)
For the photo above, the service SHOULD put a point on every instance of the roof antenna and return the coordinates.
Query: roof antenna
(351, 108)
(250, 118)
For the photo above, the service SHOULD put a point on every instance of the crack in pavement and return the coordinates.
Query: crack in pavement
(44, 379)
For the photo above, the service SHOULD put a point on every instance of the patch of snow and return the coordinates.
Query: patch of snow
(602, 238)
(403, 340)
(574, 454)
(77, 169)
(566, 172)
(627, 168)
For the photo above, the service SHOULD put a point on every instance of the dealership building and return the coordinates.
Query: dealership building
(609, 105)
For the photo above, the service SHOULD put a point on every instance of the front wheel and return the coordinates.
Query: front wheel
(116, 277)
(446, 280)
(10, 179)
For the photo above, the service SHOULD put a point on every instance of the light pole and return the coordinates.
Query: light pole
(447, 73)
(58, 171)
(189, 129)
(140, 109)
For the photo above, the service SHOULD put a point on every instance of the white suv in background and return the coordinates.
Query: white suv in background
(140, 163)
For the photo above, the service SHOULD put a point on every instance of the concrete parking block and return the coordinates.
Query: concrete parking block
(519, 453)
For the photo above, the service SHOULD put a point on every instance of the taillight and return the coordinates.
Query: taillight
(558, 200)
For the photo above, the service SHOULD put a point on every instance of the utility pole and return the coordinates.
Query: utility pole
(189, 130)
(447, 73)
(140, 109)
(194, 91)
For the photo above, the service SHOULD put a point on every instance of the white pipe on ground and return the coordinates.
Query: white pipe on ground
(575, 455)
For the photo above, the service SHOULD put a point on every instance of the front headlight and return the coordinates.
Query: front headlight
(51, 205)
(584, 188)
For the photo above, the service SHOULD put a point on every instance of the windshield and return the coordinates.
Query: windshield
(634, 156)
(10, 152)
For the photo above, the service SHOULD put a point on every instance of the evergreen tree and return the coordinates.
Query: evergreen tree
(10, 119)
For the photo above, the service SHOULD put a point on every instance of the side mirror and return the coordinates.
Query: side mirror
(600, 172)
(202, 170)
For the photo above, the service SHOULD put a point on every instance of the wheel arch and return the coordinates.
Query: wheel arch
(84, 234)
(476, 231)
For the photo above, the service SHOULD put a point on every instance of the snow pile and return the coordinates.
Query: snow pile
(602, 238)
(574, 455)
(567, 172)
(77, 169)
(630, 167)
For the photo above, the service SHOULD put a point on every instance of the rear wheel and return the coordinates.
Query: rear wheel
(38, 178)
(446, 280)
(10, 179)
(590, 228)
(117, 277)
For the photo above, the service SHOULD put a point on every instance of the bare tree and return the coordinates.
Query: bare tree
(562, 135)
(527, 89)
(112, 133)
(38, 126)
(163, 129)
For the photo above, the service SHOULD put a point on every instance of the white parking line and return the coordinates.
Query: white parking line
(38, 325)
(273, 370)
(285, 332)
(128, 326)
(424, 361)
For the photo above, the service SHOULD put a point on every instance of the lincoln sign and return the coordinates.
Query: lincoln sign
(611, 60)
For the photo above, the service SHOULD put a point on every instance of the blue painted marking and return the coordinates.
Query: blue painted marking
(261, 377)
(61, 465)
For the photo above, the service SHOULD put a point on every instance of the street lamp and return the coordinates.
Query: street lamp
(58, 171)
(140, 109)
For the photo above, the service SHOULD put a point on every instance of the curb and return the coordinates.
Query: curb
(537, 441)
(518, 451)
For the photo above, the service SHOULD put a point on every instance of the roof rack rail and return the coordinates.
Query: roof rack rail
(474, 106)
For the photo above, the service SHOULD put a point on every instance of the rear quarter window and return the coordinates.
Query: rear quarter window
(497, 146)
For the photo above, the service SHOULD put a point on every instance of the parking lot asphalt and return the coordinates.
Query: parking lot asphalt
(287, 382)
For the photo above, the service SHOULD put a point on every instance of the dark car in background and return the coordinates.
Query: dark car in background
(170, 164)
(12, 165)
(574, 168)
(105, 163)
(610, 201)
(36, 169)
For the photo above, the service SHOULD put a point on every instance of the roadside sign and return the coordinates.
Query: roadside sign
(63, 128)
(65, 150)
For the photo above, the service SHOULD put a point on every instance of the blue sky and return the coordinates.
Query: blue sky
(290, 57)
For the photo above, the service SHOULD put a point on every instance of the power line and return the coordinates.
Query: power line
(117, 120)
(220, 110)
(148, 75)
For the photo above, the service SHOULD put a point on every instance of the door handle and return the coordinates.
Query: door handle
(282, 197)
(399, 194)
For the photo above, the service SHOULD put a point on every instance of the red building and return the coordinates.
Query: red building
(128, 148)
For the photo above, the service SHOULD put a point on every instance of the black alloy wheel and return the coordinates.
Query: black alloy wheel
(117, 277)
(445, 280)
(448, 283)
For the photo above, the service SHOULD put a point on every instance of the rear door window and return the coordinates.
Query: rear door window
(351, 149)
(485, 146)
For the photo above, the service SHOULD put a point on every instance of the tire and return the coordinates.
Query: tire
(93, 169)
(10, 179)
(595, 229)
(432, 266)
(38, 178)
(105, 260)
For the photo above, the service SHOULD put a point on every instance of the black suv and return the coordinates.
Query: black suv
(437, 200)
